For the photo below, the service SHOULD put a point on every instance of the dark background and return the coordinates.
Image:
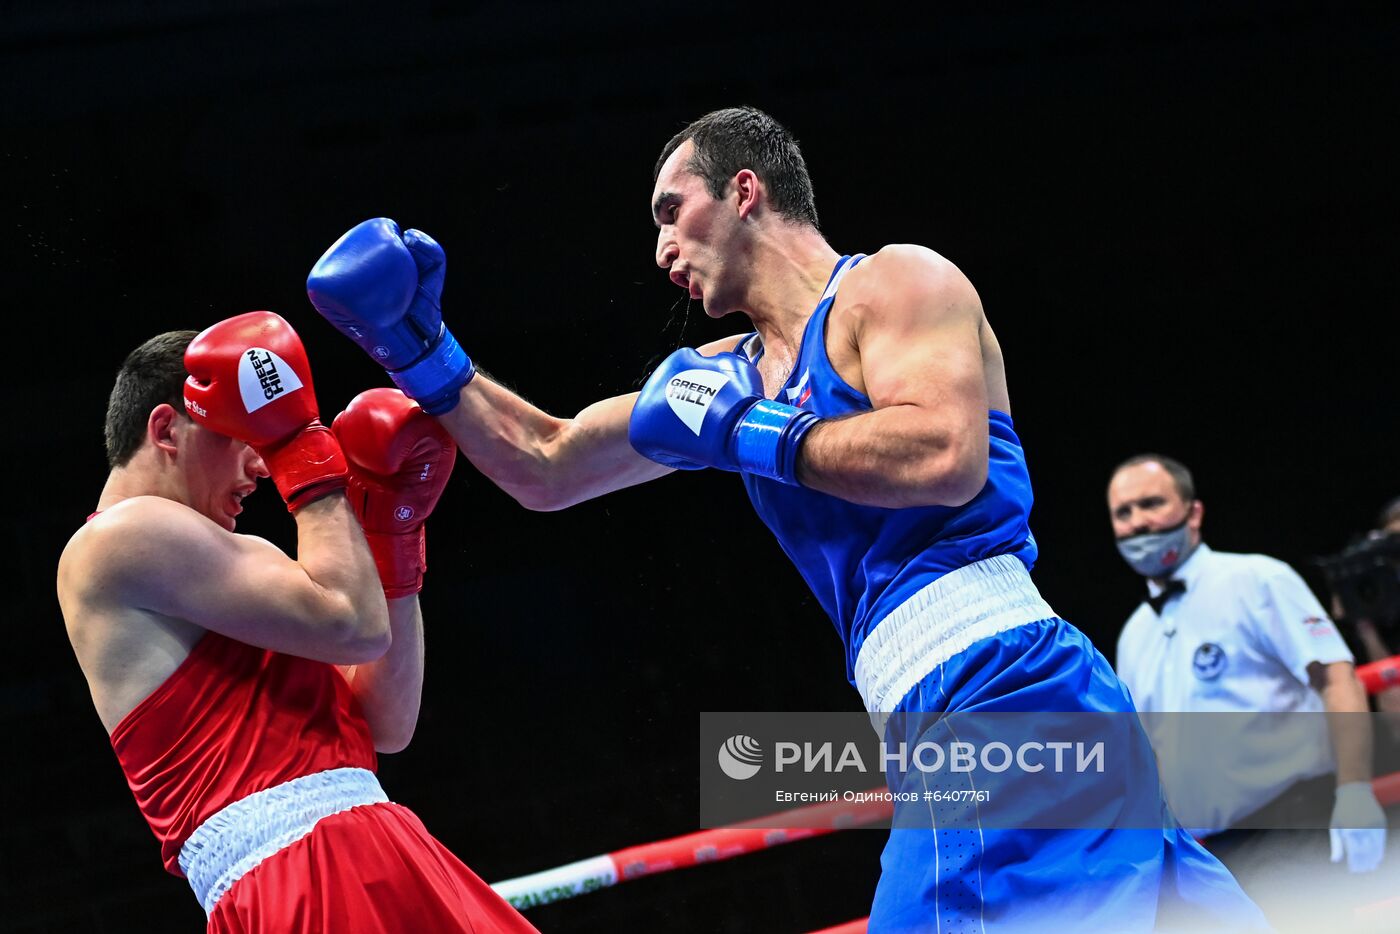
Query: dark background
(1181, 219)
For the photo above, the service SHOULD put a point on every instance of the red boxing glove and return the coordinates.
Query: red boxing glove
(400, 459)
(250, 380)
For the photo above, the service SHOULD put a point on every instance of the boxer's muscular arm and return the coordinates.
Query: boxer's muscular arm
(545, 462)
(157, 555)
(381, 286)
(400, 462)
(915, 322)
(390, 689)
(548, 463)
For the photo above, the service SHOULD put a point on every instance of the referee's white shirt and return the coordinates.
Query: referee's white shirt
(1238, 641)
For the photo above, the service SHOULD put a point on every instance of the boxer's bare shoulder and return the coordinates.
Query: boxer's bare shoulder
(124, 648)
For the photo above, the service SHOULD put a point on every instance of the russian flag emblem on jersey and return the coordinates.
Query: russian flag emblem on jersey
(799, 394)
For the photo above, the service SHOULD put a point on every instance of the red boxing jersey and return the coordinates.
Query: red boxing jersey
(231, 720)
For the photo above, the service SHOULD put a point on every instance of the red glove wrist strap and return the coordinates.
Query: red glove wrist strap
(401, 559)
(307, 466)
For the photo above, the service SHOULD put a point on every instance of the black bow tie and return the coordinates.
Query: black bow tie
(1172, 588)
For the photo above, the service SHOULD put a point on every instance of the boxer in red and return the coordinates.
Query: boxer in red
(247, 693)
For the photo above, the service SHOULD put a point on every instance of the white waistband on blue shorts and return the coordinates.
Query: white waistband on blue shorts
(961, 607)
(236, 838)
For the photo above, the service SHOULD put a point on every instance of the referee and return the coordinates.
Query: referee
(1241, 637)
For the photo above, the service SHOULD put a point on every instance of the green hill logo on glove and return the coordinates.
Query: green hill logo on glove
(690, 392)
(263, 376)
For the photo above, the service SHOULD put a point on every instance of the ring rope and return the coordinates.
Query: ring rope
(705, 846)
(1377, 676)
(709, 846)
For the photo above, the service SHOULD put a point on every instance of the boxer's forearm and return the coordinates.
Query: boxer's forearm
(390, 689)
(544, 462)
(896, 457)
(332, 551)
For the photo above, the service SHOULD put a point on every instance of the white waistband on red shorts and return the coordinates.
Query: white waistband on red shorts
(236, 838)
(961, 607)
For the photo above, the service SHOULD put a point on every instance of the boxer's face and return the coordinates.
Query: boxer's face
(219, 472)
(696, 235)
(1144, 498)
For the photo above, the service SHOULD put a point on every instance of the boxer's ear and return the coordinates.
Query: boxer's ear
(748, 188)
(160, 427)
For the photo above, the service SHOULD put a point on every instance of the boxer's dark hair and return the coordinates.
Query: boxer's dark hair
(747, 138)
(1181, 476)
(151, 374)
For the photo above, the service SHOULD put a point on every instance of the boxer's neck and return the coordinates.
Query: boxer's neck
(789, 269)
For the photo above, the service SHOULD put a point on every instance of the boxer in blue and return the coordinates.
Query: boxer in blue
(868, 416)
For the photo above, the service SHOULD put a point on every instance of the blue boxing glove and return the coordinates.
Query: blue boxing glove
(383, 290)
(698, 411)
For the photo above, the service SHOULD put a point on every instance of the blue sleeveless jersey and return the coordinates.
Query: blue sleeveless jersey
(863, 561)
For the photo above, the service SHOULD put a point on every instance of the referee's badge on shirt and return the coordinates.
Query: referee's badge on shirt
(1319, 627)
(1208, 662)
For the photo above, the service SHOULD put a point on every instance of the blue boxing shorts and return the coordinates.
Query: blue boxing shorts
(1008, 851)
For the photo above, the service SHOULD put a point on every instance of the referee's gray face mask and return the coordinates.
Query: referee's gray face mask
(1157, 554)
